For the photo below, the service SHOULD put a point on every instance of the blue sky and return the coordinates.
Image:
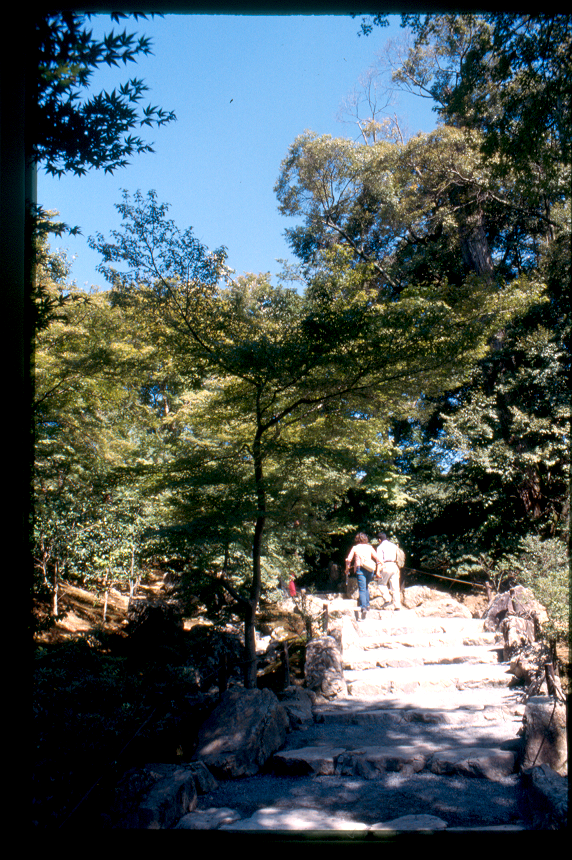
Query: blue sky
(242, 87)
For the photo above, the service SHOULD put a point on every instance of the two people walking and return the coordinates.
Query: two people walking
(370, 563)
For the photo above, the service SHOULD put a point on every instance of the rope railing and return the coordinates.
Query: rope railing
(449, 578)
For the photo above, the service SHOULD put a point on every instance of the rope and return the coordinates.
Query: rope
(449, 578)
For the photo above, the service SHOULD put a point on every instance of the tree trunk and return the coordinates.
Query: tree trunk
(250, 611)
(475, 246)
(106, 596)
(472, 236)
(250, 667)
(56, 587)
(250, 681)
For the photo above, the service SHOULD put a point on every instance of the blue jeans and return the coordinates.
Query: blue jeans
(364, 577)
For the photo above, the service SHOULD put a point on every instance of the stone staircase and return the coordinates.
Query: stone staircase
(426, 737)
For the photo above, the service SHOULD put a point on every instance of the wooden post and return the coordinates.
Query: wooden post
(286, 661)
(552, 683)
(325, 618)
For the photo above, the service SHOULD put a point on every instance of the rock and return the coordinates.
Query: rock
(490, 763)
(429, 602)
(324, 670)
(547, 797)
(208, 819)
(155, 796)
(518, 601)
(517, 633)
(427, 823)
(545, 740)
(204, 780)
(528, 666)
(335, 630)
(298, 705)
(318, 761)
(242, 732)
(276, 818)
(369, 762)
(416, 595)
(444, 607)
(280, 633)
(167, 801)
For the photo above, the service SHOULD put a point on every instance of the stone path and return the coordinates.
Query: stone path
(426, 738)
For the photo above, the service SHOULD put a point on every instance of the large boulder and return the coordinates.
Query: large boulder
(519, 617)
(324, 671)
(545, 740)
(520, 602)
(518, 633)
(546, 795)
(298, 705)
(528, 663)
(243, 731)
(430, 602)
(155, 796)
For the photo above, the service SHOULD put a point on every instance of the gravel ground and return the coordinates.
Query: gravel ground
(460, 801)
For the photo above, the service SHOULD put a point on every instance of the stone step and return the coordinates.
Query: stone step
(356, 658)
(391, 733)
(275, 819)
(489, 762)
(409, 679)
(430, 639)
(474, 700)
(407, 622)
(439, 705)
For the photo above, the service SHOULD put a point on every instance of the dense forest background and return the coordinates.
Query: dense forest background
(410, 373)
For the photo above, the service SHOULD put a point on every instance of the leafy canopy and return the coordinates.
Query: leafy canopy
(69, 131)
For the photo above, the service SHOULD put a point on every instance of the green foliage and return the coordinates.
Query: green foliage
(506, 74)
(415, 381)
(66, 133)
(488, 460)
(284, 398)
(429, 212)
(544, 567)
(90, 424)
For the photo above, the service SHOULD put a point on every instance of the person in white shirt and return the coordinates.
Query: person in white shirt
(388, 570)
(366, 563)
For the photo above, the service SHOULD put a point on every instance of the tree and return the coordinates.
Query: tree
(64, 133)
(276, 377)
(64, 130)
(427, 210)
(507, 75)
(493, 454)
(92, 429)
